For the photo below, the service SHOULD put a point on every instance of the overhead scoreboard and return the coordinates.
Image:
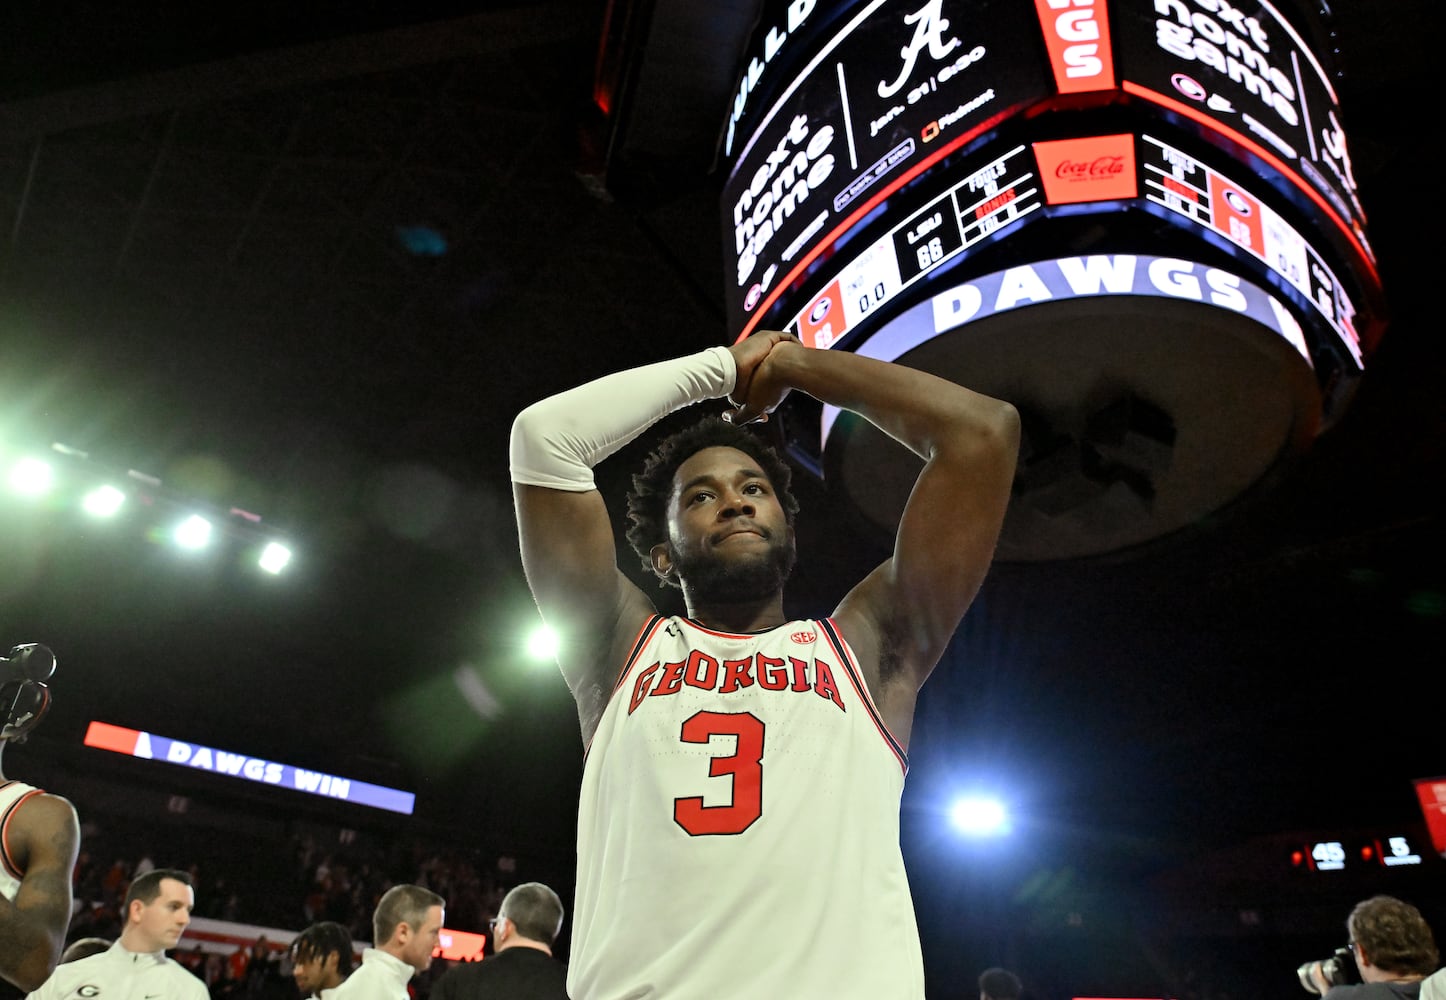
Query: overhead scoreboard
(879, 153)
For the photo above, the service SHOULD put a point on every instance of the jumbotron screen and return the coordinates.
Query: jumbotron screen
(883, 157)
(842, 110)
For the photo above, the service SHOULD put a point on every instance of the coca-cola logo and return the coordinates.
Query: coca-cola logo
(1100, 166)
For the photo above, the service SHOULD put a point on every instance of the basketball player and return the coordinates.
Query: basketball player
(39, 838)
(738, 831)
(321, 958)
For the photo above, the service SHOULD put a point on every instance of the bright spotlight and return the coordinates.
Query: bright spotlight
(103, 501)
(193, 533)
(978, 816)
(274, 557)
(30, 477)
(543, 644)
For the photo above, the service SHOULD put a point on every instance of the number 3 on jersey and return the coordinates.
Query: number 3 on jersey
(744, 764)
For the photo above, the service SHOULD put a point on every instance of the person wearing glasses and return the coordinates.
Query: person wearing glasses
(522, 966)
(1394, 951)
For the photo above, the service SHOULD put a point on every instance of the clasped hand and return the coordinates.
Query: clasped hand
(759, 389)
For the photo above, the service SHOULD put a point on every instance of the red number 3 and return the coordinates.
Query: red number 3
(745, 764)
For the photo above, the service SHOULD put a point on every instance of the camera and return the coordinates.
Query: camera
(1338, 970)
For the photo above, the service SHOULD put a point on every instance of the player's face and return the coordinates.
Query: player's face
(729, 537)
(161, 921)
(423, 941)
(315, 972)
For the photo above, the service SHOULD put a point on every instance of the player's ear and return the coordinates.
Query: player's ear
(662, 559)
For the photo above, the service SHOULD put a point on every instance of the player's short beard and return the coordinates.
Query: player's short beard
(711, 580)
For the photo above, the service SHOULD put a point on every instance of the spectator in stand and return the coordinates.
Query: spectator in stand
(407, 924)
(194, 959)
(523, 966)
(236, 964)
(158, 907)
(258, 966)
(214, 972)
(115, 880)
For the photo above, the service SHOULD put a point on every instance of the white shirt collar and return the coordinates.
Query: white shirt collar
(395, 967)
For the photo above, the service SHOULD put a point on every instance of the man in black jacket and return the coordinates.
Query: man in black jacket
(523, 967)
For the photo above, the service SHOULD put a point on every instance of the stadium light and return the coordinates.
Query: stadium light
(103, 501)
(543, 644)
(274, 557)
(31, 477)
(193, 533)
(68, 479)
(979, 816)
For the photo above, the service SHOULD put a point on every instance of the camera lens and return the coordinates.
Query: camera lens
(1303, 974)
(1338, 970)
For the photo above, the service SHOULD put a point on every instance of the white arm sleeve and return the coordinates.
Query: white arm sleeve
(556, 442)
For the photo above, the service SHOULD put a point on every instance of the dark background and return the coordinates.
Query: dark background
(309, 263)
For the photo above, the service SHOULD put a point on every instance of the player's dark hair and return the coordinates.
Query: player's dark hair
(84, 948)
(1000, 984)
(147, 886)
(321, 939)
(648, 499)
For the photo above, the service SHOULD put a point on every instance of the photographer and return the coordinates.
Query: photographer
(1393, 950)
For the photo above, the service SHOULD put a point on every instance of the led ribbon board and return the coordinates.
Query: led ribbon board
(1178, 182)
(1006, 189)
(135, 743)
(985, 201)
(1073, 278)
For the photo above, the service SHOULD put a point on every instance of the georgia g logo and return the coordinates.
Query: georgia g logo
(88, 990)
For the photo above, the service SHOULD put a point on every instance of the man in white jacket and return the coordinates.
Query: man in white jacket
(158, 907)
(406, 926)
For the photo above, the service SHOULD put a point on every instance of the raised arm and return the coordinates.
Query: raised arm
(568, 550)
(900, 618)
(43, 836)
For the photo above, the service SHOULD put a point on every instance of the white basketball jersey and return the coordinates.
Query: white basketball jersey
(738, 830)
(12, 793)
